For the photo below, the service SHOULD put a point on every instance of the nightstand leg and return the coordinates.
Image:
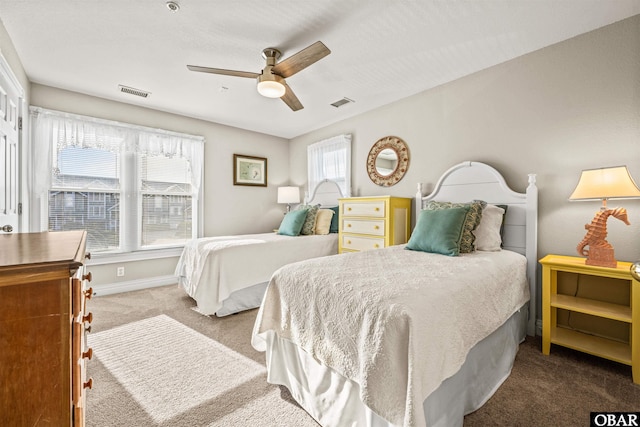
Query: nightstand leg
(635, 330)
(546, 310)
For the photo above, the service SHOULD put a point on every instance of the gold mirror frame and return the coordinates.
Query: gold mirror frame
(402, 151)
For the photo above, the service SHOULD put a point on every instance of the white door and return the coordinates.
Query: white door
(10, 121)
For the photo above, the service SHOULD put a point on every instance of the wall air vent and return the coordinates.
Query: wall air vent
(341, 102)
(134, 91)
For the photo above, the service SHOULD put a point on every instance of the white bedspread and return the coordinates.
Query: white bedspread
(211, 268)
(395, 321)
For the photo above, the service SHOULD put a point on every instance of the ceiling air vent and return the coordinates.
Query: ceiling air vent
(134, 91)
(341, 102)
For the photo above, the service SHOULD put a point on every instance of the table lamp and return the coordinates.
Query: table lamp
(288, 195)
(603, 184)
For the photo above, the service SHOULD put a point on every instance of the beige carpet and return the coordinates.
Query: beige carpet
(168, 368)
(158, 378)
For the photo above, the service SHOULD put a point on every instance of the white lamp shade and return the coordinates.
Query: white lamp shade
(271, 88)
(605, 183)
(288, 195)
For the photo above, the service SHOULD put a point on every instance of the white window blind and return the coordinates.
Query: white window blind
(130, 187)
(330, 159)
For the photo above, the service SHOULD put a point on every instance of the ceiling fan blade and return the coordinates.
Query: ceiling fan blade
(301, 60)
(291, 99)
(223, 71)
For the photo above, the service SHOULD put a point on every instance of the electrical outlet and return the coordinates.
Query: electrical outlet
(120, 272)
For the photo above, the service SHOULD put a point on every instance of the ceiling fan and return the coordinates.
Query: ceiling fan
(271, 81)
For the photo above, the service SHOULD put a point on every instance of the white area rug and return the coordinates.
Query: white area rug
(169, 368)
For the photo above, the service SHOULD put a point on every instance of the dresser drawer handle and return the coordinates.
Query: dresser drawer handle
(88, 293)
(87, 255)
(88, 318)
(88, 354)
(376, 227)
(87, 277)
(376, 246)
(348, 209)
(87, 329)
(348, 225)
(348, 242)
(377, 209)
(88, 384)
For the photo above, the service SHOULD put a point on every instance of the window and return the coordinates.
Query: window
(131, 188)
(330, 159)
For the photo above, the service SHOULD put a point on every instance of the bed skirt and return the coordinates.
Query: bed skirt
(243, 299)
(333, 400)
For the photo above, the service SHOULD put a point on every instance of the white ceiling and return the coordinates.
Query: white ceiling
(381, 50)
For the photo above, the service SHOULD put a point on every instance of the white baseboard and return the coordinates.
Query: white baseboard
(133, 285)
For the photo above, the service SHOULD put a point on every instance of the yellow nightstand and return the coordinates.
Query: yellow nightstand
(373, 222)
(591, 309)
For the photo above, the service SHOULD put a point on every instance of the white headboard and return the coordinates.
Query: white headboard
(326, 194)
(467, 181)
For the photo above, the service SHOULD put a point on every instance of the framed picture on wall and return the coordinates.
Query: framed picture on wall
(249, 170)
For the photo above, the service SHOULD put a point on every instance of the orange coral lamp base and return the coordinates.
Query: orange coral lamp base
(602, 257)
(600, 252)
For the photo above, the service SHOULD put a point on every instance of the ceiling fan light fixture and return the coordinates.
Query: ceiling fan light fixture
(271, 86)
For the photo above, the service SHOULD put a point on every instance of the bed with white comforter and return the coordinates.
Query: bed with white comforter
(229, 274)
(211, 269)
(396, 337)
(400, 329)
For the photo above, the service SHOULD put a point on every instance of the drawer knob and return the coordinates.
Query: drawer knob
(88, 293)
(377, 227)
(87, 329)
(87, 277)
(88, 318)
(376, 246)
(348, 209)
(88, 384)
(377, 209)
(88, 354)
(348, 225)
(348, 242)
(87, 255)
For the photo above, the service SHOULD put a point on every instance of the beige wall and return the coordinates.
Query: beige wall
(572, 106)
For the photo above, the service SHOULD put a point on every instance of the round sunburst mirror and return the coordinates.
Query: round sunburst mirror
(388, 161)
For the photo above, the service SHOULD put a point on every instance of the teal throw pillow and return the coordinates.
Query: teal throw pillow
(335, 221)
(505, 207)
(292, 223)
(439, 231)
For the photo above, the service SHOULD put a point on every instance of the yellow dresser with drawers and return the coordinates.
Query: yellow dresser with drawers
(373, 222)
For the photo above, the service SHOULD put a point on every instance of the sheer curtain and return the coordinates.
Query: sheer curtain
(89, 155)
(66, 129)
(330, 159)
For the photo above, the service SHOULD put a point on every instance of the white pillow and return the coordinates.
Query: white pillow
(488, 231)
(323, 221)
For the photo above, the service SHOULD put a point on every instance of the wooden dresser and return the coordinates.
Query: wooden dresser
(373, 222)
(42, 328)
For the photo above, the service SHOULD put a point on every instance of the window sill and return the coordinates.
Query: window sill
(117, 258)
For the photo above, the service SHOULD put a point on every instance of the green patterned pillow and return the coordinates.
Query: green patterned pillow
(467, 242)
(310, 222)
